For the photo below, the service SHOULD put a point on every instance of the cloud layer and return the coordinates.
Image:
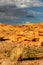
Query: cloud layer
(22, 3)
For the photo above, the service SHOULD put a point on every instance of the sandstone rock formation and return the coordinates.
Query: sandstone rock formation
(30, 35)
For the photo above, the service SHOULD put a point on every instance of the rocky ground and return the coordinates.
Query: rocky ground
(30, 35)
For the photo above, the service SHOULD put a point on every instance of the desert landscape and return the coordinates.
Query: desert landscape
(21, 44)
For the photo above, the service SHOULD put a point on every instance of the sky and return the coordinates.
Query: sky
(34, 11)
(33, 3)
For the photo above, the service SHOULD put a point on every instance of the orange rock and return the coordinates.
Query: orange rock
(29, 35)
